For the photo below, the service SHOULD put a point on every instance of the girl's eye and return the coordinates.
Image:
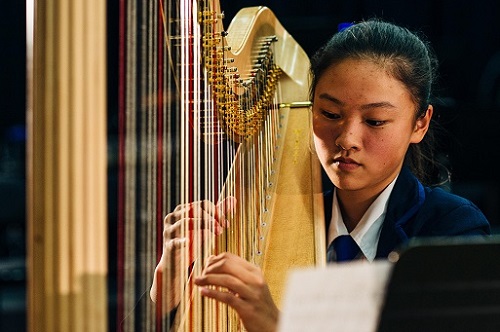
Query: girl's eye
(375, 123)
(331, 116)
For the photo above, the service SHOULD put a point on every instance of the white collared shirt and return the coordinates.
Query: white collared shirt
(367, 231)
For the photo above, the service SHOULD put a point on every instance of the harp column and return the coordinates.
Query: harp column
(66, 172)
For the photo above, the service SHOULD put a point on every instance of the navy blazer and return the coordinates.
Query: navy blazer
(417, 211)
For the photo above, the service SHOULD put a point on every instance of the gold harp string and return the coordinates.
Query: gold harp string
(186, 159)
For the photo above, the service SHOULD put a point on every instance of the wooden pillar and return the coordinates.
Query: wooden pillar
(66, 173)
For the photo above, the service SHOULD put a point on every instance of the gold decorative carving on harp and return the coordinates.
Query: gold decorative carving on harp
(204, 115)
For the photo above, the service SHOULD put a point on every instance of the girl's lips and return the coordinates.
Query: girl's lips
(345, 160)
(346, 164)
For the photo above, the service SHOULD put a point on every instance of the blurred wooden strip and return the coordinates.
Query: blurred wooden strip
(67, 200)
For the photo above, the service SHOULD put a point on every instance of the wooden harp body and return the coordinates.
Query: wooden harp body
(206, 114)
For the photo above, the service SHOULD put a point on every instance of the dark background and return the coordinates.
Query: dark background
(465, 36)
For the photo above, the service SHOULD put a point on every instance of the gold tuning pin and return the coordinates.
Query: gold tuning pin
(296, 104)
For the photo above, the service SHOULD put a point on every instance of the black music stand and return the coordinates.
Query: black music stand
(444, 285)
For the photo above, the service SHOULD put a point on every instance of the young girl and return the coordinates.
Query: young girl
(371, 88)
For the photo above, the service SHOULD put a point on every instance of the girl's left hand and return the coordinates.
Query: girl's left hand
(240, 284)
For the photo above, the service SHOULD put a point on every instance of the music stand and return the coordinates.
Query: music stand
(444, 285)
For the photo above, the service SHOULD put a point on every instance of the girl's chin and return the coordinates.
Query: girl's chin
(345, 183)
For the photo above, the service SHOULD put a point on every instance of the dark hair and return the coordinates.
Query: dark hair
(408, 57)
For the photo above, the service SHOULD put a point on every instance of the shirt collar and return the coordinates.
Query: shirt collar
(367, 232)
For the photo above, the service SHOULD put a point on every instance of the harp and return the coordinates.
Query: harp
(206, 114)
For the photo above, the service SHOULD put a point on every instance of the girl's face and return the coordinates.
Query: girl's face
(363, 123)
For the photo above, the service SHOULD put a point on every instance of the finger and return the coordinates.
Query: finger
(189, 210)
(205, 210)
(223, 283)
(233, 272)
(225, 296)
(227, 262)
(217, 280)
(224, 210)
(218, 213)
(185, 227)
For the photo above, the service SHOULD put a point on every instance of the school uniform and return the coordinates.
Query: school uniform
(405, 210)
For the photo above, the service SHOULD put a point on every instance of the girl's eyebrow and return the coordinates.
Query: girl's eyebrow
(331, 98)
(381, 104)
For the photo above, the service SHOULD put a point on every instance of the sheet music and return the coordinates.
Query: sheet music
(343, 297)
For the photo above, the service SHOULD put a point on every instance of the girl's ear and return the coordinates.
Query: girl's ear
(422, 125)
